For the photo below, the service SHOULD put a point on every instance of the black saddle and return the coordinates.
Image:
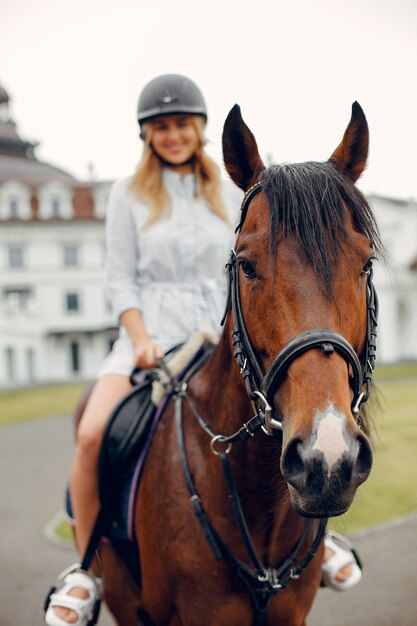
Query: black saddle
(126, 439)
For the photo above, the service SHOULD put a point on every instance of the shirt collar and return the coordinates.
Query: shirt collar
(171, 177)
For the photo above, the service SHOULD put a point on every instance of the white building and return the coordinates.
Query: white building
(54, 322)
(397, 283)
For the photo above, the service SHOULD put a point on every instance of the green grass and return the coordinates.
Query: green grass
(394, 372)
(39, 402)
(391, 489)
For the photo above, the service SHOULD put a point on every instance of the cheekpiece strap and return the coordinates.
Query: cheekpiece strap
(247, 198)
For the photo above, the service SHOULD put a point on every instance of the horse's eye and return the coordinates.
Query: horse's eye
(248, 269)
(367, 267)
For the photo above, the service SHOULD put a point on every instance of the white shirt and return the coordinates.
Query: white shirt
(173, 270)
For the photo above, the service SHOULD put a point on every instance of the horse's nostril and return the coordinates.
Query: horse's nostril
(292, 463)
(364, 459)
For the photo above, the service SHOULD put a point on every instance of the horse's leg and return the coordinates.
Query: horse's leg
(121, 594)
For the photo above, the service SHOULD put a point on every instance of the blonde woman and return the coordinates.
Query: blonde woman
(169, 229)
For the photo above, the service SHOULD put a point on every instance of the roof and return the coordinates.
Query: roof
(31, 171)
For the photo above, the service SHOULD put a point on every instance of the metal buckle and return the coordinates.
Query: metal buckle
(269, 576)
(220, 439)
(357, 407)
(180, 390)
(269, 423)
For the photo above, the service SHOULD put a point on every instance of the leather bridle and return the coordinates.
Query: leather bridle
(261, 386)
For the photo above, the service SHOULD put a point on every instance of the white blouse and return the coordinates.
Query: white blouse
(173, 270)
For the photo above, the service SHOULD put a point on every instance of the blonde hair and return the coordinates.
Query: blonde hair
(148, 186)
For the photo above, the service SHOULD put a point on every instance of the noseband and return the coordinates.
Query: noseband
(262, 387)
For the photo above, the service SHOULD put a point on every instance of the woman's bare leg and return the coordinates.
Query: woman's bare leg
(84, 479)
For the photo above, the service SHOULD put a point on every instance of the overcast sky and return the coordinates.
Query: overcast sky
(75, 68)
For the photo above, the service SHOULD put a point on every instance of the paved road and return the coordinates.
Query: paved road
(34, 460)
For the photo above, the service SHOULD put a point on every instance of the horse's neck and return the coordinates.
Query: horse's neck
(221, 389)
(221, 396)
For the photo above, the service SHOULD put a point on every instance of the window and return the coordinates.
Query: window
(16, 259)
(55, 201)
(15, 201)
(10, 364)
(55, 207)
(13, 207)
(71, 256)
(18, 298)
(30, 363)
(75, 356)
(72, 302)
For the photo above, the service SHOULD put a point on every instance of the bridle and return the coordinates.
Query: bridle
(262, 387)
(263, 582)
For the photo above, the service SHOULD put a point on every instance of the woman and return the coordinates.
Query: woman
(168, 232)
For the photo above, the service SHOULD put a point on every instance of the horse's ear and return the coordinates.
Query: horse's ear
(240, 151)
(351, 154)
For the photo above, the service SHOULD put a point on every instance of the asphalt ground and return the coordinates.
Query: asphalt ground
(34, 461)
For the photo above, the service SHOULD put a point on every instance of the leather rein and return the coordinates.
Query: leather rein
(263, 582)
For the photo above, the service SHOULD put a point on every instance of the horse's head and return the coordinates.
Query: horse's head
(302, 283)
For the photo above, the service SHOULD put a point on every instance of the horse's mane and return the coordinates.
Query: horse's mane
(309, 202)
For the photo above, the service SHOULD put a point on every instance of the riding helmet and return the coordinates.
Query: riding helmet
(170, 94)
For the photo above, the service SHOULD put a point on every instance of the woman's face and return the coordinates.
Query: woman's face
(175, 138)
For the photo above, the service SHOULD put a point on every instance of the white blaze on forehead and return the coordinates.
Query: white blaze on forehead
(329, 436)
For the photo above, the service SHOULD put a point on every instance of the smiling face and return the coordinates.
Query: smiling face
(175, 140)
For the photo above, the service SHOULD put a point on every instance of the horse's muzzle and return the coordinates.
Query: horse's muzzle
(322, 483)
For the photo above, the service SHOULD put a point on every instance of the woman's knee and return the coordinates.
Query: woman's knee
(88, 442)
(96, 414)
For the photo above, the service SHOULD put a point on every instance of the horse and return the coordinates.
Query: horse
(267, 439)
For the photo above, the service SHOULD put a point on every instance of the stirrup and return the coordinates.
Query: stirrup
(87, 609)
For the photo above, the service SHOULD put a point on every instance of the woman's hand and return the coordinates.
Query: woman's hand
(147, 353)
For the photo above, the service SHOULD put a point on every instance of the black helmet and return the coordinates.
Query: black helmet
(170, 94)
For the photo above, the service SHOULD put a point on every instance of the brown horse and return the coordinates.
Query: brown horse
(301, 324)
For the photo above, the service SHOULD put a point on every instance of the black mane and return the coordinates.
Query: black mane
(309, 201)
